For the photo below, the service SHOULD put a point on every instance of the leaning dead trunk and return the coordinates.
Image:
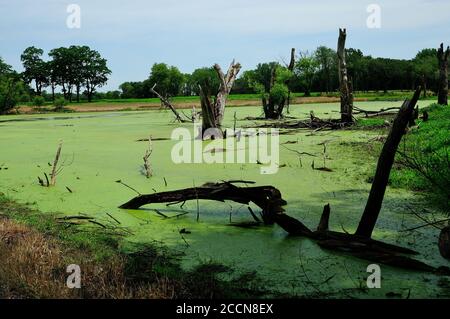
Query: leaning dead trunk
(385, 162)
(213, 112)
(167, 104)
(345, 85)
(443, 74)
(290, 68)
(55, 166)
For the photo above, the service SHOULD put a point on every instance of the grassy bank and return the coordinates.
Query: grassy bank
(422, 163)
(35, 251)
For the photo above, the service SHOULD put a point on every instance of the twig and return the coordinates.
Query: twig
(128, 186)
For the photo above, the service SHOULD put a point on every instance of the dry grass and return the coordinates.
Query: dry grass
(34, 266)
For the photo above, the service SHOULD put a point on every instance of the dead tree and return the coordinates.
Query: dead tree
(166, 103)
(55, 166)
(273, 106)
(55, 170)
(290, 68)
(385, 162)
(213, 110)
(346, 89)
(443, 74)
(147, 165)
(269, 199)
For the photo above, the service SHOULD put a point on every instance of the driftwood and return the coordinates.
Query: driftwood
(387, 111)
(168, 104)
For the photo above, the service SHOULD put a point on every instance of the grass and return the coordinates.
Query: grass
(369, 96)
(422, 163)
(35, 251)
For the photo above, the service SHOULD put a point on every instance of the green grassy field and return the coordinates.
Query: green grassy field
(368, 96)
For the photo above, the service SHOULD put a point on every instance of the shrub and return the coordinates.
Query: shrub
(59, 103)
(38, 101)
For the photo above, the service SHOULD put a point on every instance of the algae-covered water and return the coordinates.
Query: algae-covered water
(101, 148)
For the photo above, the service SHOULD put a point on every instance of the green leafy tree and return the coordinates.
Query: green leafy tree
(168, 80)
(326, 59)
(306, 69)
(426, 69)
(35, 68)
(61, 69)
(272, 86)
(12, 88)
(95, 72)
(206, 78)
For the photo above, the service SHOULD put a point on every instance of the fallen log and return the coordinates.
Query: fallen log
(269, 199)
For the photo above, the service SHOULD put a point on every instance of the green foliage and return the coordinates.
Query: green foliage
(168, 79)
(12, 89)
(305, 69)
(206, 78)
(35, 68)
(59, 103)
(76, 67)
(424, 159)
(279, 93)
(38, 101)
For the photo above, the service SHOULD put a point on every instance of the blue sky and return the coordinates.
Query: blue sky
(134, 34)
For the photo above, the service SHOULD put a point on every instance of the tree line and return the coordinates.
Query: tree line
(72, 69)
(78, 71)
(313, 72)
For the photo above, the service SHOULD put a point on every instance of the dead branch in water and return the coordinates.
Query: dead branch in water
(167, 104)
(55, 170)
(147, 165)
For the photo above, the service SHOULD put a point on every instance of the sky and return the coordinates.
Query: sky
(134, 34)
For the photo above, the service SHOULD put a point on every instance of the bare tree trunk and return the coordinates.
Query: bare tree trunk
(213, 113)
(55, 166)
(147, 165)
(443, 74)
(226, 84)
(290, 68)
(385, 162)
(345, 89)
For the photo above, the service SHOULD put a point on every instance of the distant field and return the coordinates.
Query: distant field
(187, 102)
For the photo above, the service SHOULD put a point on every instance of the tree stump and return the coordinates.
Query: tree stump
(346, 88)
(444, 242)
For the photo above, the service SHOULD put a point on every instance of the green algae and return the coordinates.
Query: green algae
(101, 148)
